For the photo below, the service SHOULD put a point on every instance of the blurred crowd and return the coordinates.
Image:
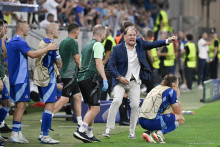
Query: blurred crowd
(145, 15)
(88, 13)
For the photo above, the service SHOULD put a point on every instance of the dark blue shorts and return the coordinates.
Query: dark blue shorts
(48, 94)
(159, 123)
(5, 94)
(20, 92)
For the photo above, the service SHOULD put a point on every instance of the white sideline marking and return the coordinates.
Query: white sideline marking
(203, 143)
(67, 126)
(21, 125)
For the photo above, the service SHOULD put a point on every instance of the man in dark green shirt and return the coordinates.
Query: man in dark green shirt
(69, 53)
(92, 65)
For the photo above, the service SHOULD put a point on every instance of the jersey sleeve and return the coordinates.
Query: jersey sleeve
(164, 50)
(108, 46)
(216, 44)
(73, 47)
(98, 50)
(187, 50)
(56, 55)
(24, 48)
(173, 96)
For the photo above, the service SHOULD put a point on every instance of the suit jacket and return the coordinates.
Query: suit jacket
(118, 62)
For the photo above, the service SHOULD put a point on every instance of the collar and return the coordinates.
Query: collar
(47, 40)
(133, 47)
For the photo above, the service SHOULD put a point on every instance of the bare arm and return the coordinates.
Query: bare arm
(208, 43)
(100, 68)
(177, 107)
(77, 59)
(149, 56)
(4, 47)
(35, 54)
(81, 19)
(107, 56)
(59, 86)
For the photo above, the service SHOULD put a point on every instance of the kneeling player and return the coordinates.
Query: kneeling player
(152, 117)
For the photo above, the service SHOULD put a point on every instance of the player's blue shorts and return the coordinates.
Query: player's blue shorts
(20, 92)
(5, 94)
(159, 123)
(48, 94)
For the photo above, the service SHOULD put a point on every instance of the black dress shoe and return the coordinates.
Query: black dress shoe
(124, 123)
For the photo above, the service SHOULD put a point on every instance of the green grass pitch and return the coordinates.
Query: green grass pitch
(201, 129)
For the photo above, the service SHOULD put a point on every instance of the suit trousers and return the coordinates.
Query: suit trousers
(133, 91)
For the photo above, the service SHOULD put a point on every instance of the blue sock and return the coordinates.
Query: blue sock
(169, 129)
(16, 126)
(3, 113)
(46, 122)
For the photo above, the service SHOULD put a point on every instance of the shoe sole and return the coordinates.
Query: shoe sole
(19, 142)
(5, 131)
(156, 138)
(77, 136)
(49, 142)
(105, 135)
(146, 137)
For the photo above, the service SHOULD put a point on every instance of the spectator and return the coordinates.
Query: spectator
(51, 6)
(189, 60)
(214, 54)
(45, 22)
(203, 48)
(79, 13)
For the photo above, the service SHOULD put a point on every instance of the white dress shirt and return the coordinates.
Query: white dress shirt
(133, 65)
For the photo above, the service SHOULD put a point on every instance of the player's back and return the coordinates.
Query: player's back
(17, 60)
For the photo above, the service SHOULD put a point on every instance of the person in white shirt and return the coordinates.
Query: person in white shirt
(203, 61)
(52, 6)
(45, 22)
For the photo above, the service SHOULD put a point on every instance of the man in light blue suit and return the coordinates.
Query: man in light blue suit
(128, 66)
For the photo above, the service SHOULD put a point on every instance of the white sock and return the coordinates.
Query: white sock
(177, 124)
(14, 134)
(53, 115)
(79, 120)
(2, 124)
(83, 127)
(90, 131)
(107, 130)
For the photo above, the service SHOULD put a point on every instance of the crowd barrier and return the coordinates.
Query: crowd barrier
(211, 90)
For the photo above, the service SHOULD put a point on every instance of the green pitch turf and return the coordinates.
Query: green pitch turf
(201, 129)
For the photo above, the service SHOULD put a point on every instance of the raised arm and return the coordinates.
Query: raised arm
(35, 54)
(159, 43)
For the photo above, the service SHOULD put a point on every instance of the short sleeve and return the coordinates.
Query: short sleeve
(54, 4)
(173, 97)
(24, 48)
(98, 50)
(216, 44)
(56, 55)
(73, 47)
(108, 45)
(164, 50)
